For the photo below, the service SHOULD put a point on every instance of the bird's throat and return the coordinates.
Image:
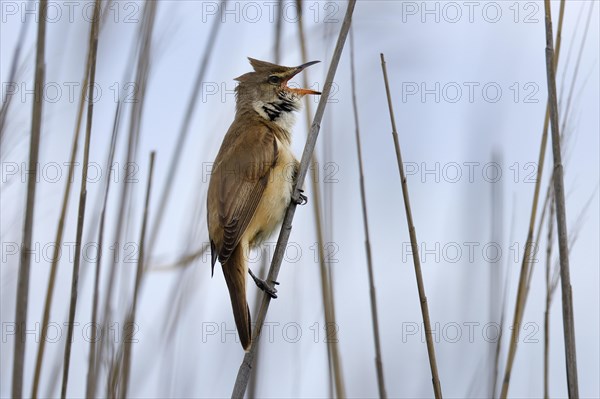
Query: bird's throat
(280, 112)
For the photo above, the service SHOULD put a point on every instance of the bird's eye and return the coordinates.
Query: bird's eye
(274, 79)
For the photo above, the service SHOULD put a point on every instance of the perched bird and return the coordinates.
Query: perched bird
(252, 178)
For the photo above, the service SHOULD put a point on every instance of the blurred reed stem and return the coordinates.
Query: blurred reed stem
(183, 261)
(172, 311)
(92, 362)
(496, 297)
(563, 136)
(503, 306)
(127, 341)
(525, 265)
(176, 157)
(568, 59)
(572, 240)
(363, 198)
(60, 229)
(437, 389)
(263, 265)
(549, 244)
(567, 108)
(549, 203)
(538, 234)
(82, 197)
(335, 367)
(144, 41)
(241, 382)
(7, 99)
(561, 218)
(26, 250)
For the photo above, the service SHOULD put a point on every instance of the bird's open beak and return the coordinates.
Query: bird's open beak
(296, 71)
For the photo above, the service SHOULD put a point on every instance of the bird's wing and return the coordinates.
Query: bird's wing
(243, 180)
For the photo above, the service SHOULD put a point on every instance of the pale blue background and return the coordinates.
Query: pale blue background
(449, 214)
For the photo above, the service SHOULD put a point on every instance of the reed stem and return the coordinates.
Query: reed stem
(437, 389)
(241, 382)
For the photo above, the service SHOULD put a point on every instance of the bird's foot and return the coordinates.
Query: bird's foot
(302, 199)
(264, 286)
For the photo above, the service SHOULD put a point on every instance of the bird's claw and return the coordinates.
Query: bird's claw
(264, 286)
(270, 291)
(302, 199)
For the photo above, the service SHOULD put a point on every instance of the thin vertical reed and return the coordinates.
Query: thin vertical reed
(561, 218)
(497, 231)
(503, 307)
(576, 70)
(58, 238)
(549, 245)
(525, 264)
(335, 367)
(185, 128)
(7, 99)
(363, 198)
(141, 81)
(92, 364)
(437, 390)
(25, 259)
(82, 197)
(138, 280)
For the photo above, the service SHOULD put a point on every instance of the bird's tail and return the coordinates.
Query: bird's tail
(235, 271)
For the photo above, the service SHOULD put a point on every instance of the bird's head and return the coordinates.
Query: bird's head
(268, 84)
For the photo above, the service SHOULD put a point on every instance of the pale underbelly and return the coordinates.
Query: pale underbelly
(273, 204)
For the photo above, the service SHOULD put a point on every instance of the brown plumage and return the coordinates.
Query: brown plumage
(252, 178)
